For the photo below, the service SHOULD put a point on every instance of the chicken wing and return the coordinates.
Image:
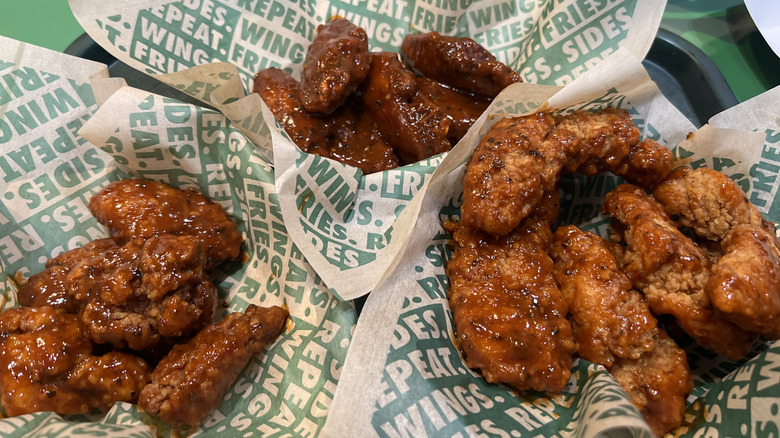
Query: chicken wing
(512, 167)
(520, 158)
(144, 292)
(708, 201)
(47, 365)
(141, 208)
(47, 288)
(614, 328)
(745, 282)
(509, 315)
(414, 126)
(461, 108)
(192, 379)
(610, 320)
(670, 270)
(458, 62)
(336, 63)
(658, 383)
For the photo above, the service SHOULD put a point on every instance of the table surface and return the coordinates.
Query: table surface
(722, 29)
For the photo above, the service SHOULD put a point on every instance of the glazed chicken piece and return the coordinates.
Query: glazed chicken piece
(708, 201)
(143, 293)
(658, 383)
(613, 326)
(458, 62)
(136, 208)
(336, 63)
(745, 282)
(509, 315)
(280, 92)
(461, 108)
(47, 365)
(512, 167)
(670, 270)
(608, 141)
(355, 139)
(413, 125)
(610, 319)
(520, 158)
(47, 288)
(192, 379)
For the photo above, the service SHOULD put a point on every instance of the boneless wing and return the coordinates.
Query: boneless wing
(614, 328)
(670, 270)
(509, 315)
(192, 379)
(47, 365)
(136, 208)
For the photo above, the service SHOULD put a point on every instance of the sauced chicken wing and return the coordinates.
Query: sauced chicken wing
(521, 158)
(614, 328)
(512, 167)
(509, 315)
(354, 139)
(708, 201)
(607, 140)
(609, 318)
(144, 292)
(461, 108)
(192, 379)
(671, 271)
(658, 383)
(413, 125)
(280, 92)
(458, 62)
(745, 283)
(336, 63)
(141, 208)
(47, 288)
(349, 135)
(47, 365)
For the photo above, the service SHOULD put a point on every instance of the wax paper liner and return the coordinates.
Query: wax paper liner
(352, 228)
(404, 377)
(49, 173)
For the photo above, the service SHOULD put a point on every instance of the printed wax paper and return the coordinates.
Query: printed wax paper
(352, 228)
(404, 377)
(58, 150)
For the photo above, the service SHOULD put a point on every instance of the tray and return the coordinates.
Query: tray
(686, 76)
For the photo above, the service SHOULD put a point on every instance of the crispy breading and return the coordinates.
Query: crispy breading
(509, 315)
(192, 379)
(671, 270)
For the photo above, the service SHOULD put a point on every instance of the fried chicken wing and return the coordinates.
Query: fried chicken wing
(47, 365)
(671, 271)
(610, 320)
(414, 126)
(458, 62)
(355, 139)
(143, 292)
(461, 108)
(708, 201)
(614, 327)
(509, 315)
(608, 141)
(47, 288)
(512, 167)
(520, 158)
(658, 383)
(192, 379)
(745, 282)
(337, 61)
(141, 208)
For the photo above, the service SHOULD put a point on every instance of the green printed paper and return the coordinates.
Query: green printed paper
(62, 150)
(351, 227)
